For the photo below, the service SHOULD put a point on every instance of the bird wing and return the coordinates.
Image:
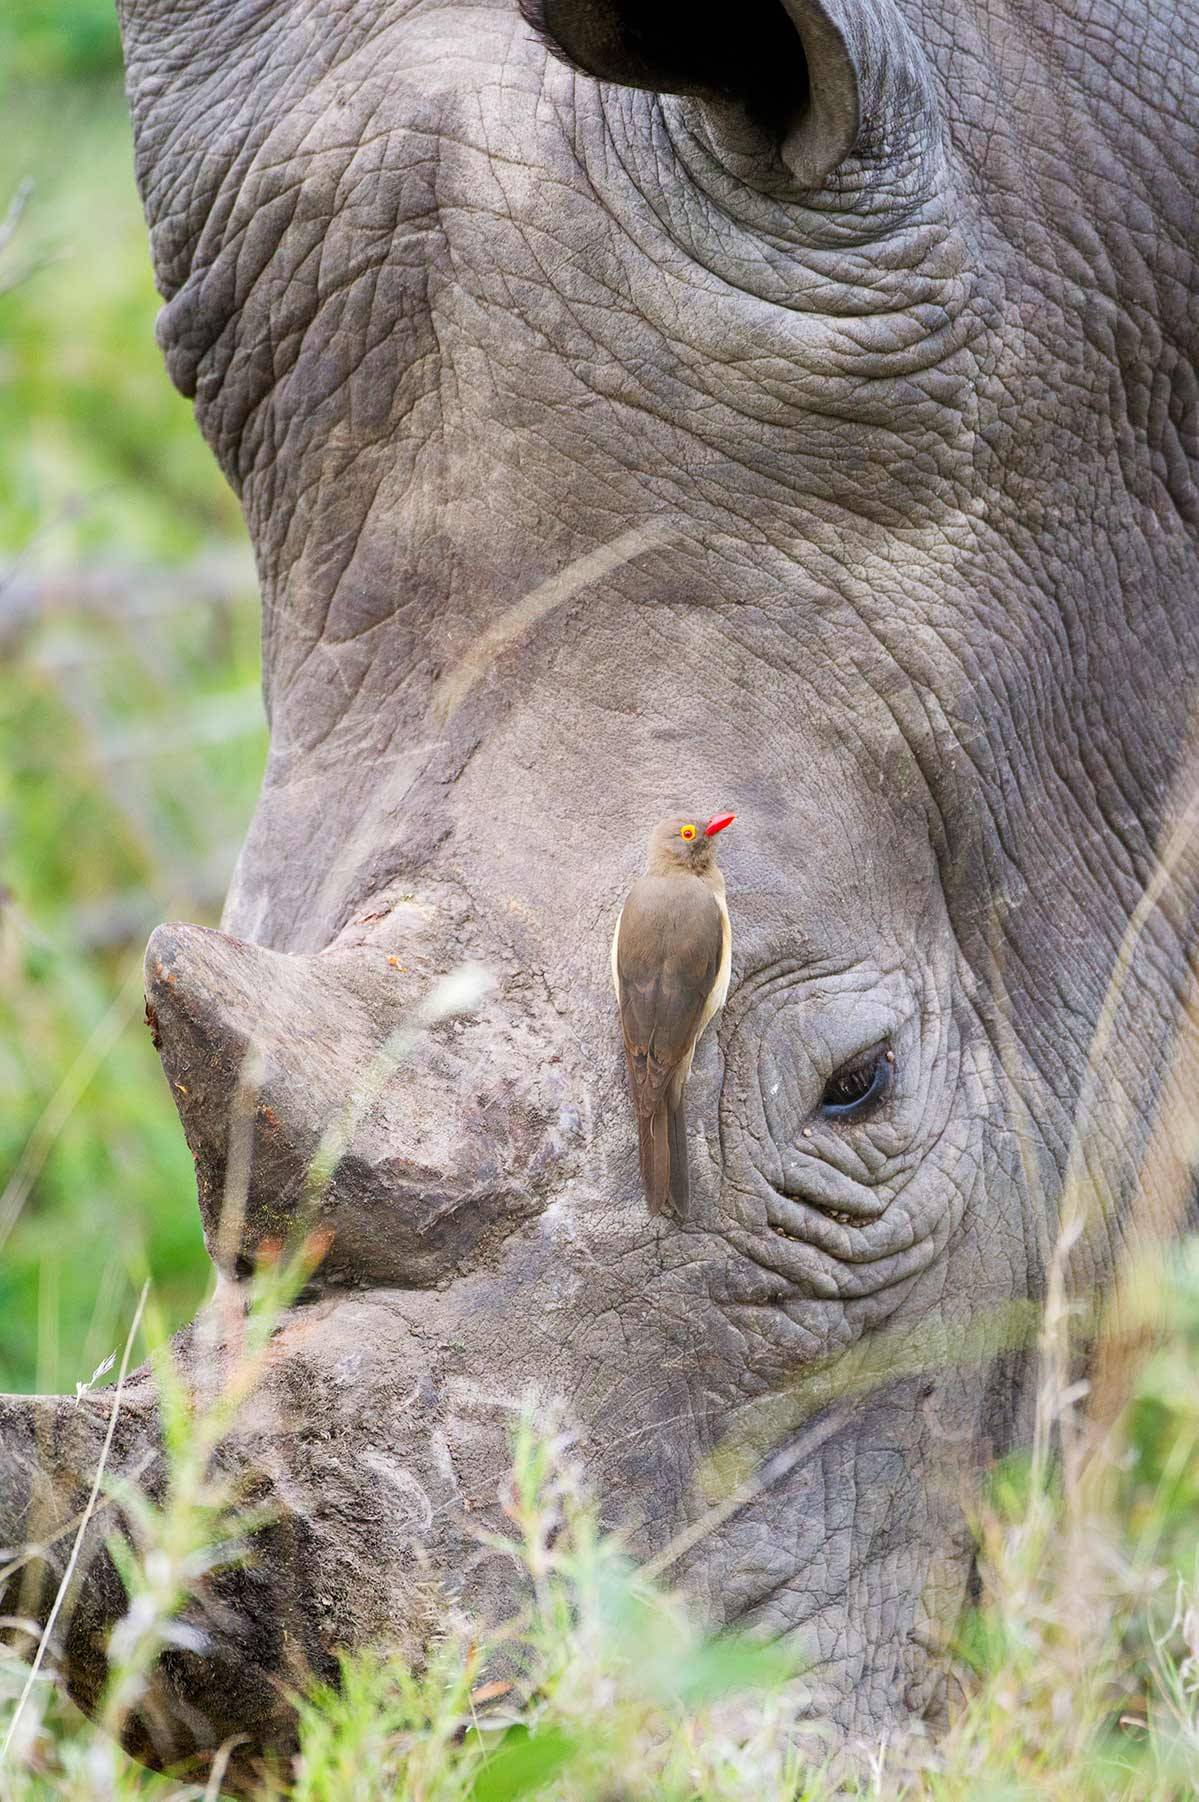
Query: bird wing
(668, 954)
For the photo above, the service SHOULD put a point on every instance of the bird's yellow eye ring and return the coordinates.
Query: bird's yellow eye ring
(686, 831)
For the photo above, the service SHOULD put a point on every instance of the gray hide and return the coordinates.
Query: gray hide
(804, 425)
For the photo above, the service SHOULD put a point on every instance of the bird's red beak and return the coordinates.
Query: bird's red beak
(717, 823)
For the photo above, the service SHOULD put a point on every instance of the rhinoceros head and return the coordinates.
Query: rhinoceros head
(632, 412)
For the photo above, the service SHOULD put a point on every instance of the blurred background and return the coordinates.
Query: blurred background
(131, 728)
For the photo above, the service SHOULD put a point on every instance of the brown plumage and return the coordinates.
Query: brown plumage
(671, 956)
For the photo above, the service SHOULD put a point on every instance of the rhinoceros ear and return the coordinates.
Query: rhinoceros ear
(797, 66)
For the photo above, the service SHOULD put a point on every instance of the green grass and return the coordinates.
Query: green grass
(1078, 1675)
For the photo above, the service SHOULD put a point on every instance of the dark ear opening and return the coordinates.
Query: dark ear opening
(786, 61)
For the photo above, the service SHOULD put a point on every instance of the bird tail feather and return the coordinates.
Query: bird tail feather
(680, 1177)
(664, 1171)
(655, 1158)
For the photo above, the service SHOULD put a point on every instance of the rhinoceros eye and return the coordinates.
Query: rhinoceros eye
(858, 1085)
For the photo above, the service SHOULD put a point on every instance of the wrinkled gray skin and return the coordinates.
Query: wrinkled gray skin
(885, 406)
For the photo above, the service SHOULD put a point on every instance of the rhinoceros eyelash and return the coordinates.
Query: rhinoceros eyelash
(857, 1087)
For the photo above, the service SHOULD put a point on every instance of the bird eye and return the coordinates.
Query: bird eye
(858, 1085)
(686, 831)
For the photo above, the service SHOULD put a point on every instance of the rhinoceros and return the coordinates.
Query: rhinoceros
(642, 409)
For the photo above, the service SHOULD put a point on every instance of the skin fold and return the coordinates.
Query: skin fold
(825, 452)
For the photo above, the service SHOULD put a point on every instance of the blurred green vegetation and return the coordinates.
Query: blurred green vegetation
(131, 735)
(58, 41)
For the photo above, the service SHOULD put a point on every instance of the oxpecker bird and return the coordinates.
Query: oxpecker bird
(671, 955)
